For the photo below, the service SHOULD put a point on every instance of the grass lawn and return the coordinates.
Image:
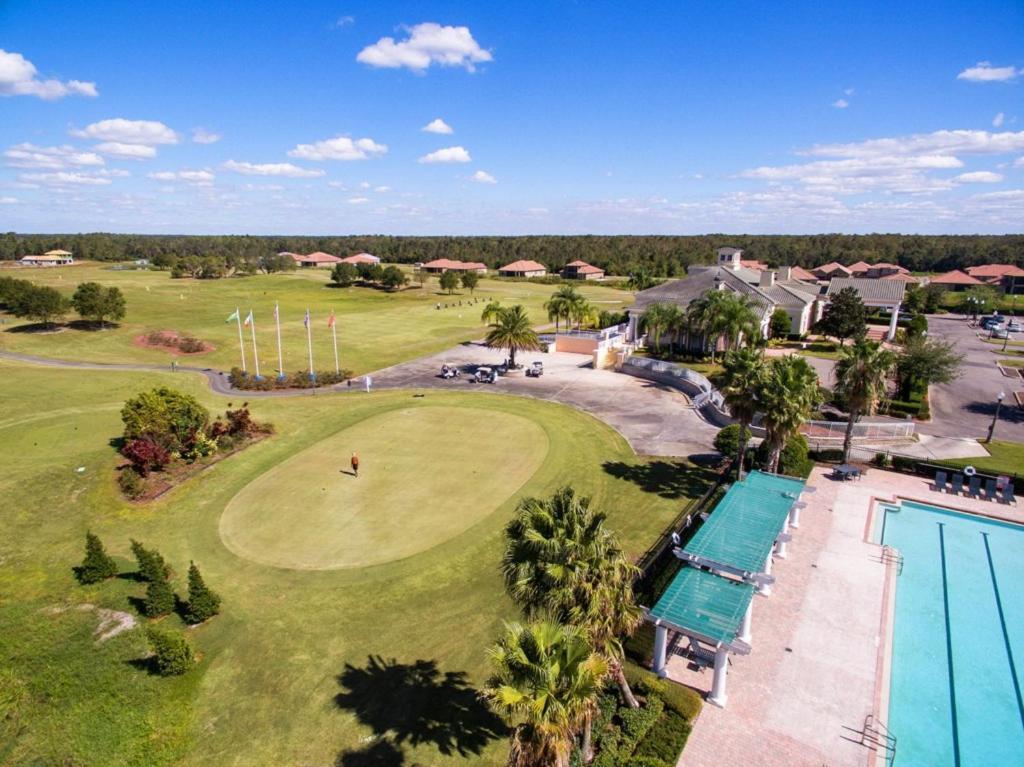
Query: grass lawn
(828, 350)
(378, 657)
(375, 328)
(1005, 458)
(1012, 363)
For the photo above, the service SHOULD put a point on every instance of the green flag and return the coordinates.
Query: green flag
(233, 316)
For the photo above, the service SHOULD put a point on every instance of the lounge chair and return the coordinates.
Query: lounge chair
(1008, 493)
(940, 481)
(990, 489)
(958, 484)
(974, 486)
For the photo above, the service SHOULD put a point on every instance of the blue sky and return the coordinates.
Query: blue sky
(564, 117)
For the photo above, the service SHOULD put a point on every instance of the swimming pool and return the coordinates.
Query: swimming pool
(958, 642)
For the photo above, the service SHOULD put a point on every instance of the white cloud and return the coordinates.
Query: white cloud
(984, 72)
(997, 121)
(382, 189)
(841, 104)
(49, 157)
(939, 142)
(449, 154)
(364, 184)
(203, 136)
(979, 177)
(483, 177)
(8, 200)
(849, 91)
(148, 132)
(126, 151)
(357, 200)
(285, 169)
(62, 178)
(197, 177)
(18, 78)
(427, 44)
(437, 126)
(1019, 162)
(339, 148)
(345, 21)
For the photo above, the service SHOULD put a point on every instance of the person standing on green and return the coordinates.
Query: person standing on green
(355, 464)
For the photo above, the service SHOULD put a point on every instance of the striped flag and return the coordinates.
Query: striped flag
(330, 320)
(248, 320)
(306, 320)
(233, 317)
(276, 317)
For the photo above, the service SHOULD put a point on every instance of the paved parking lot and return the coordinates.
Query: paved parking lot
(965, 407)
(654, 419)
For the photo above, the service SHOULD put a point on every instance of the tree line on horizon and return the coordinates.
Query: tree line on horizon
(660, 255)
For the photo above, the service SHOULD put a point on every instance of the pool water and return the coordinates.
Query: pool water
(958, 644)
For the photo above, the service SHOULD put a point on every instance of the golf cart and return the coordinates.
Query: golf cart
(485, 375)
(536, 370)
(449, 371)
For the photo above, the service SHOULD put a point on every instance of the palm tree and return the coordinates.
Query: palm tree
(491, 311)
(556, 309)
(787, 394)
(656, 319)
(582, 311)
(681, 326)
(511, 330)
(545, 683)
(861, 375)
(704, 313)
(560, 560)
(734, 317)
(740, 382)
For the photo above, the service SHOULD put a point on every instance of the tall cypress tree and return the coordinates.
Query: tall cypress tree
(151, 564)
(203, 603)
(97, 565)
(159, 597)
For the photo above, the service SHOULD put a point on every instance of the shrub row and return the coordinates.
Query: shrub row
(299, 380)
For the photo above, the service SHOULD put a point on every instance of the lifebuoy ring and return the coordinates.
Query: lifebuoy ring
(970, 471)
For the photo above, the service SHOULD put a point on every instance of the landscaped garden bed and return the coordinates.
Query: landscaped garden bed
(173, 342)
(300, 380)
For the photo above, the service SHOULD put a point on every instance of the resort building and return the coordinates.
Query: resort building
(955, 280)
(441, 265)
(581, 270)
(315, 259)
(1006, 277)
(49, 258)
(361, 258)
(523, 269)
(882, 294)
(830, 270)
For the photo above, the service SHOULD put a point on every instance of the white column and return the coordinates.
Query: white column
(745, 635)
(718, 695)
(633, 323)
(765, 589)
(660, 643)
(893, 321)
(781, 547)
(794, 516)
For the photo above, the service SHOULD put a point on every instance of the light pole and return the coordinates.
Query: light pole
(992, 426)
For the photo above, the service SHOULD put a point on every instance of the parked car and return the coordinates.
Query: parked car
(1014, 327)
(995, 319)
(485, 375)
(999, 332)
(536, 370)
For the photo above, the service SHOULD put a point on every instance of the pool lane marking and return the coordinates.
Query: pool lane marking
(949, 646)
(1006, 634)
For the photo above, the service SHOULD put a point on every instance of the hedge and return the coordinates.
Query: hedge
(300, 380)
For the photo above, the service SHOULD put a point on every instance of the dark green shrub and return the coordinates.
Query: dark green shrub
(166, 416)
(130, 483)
(882, 460)
(151, 565)
(727, 441)
(649, 761)
(203, 603)
(828, 455)
(793, 460)
(172, 654)
(681, 700)
(159, 598)
(97, 565)
(665, 740)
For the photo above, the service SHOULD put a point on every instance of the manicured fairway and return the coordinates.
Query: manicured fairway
(428, 473)
(375, 328)
(303, 667)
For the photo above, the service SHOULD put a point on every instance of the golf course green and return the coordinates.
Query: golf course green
(427, 474)
(381, 655)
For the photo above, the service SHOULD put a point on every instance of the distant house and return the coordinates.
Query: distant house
(830, 270)
(581, 270)
(441, 265)
(881, 294)
(882, 269)
(315, 259)
(859, 269)
(1007, 277)
(523, 269)
(49, 258)
(361, 258)
(955, 280)
(901, 277)
(799, 273)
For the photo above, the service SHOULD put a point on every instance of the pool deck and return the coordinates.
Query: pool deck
(819, 664)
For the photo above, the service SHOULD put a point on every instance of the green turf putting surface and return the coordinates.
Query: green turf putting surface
(426, 474)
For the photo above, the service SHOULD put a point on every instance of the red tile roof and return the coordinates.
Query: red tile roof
(995, 270)
(832, 268)
(523, 266)
(955, 277)
(859, 267)
(901, 277)
(577, 262)
(588, 269)
(361, 258)
(447, 263)
(316, 258)
(799, 273)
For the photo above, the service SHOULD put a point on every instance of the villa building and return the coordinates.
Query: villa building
(49, 258)
(581, 270)
(955, 280)
(1006, 277)
(361, 258)
(523, 269)
(441, 265)
(314, 260)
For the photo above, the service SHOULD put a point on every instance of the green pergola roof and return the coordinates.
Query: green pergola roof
(704, 604)
(741, 530)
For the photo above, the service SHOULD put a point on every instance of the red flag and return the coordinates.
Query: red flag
(330, 320)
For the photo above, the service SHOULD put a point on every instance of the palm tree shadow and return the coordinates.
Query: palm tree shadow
(383, 753)
(417, 703)
(668, 479)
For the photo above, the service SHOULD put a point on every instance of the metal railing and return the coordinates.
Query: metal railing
(864, 431)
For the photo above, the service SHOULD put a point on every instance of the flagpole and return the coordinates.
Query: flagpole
(241, 341)
(309, 344)
(255, 354)
(280, 358)
(334, 335)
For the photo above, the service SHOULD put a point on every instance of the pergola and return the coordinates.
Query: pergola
(729, 559)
